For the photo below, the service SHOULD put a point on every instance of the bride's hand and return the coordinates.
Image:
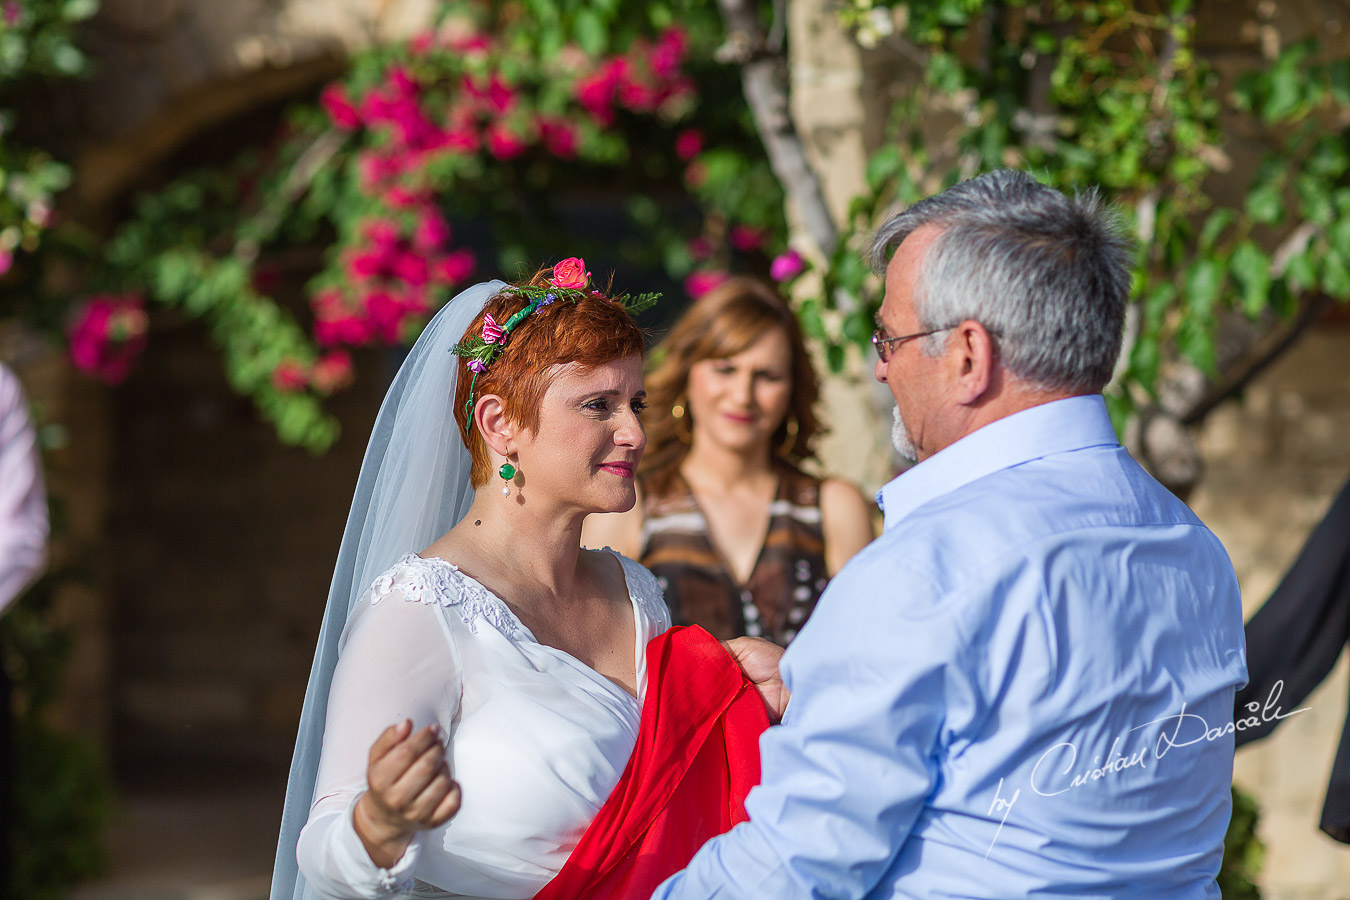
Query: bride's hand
(410, 790)
(758, 659)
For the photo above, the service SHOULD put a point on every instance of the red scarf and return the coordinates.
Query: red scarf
(696, 758)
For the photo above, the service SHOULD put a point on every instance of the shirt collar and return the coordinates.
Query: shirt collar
(1059, 426)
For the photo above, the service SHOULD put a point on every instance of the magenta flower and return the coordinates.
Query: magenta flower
(290, 376)
(107, 335)
(492, 332)
(504, 143)
(432, 231)
(746, 239)
(476, 366)
(341, 111)
(455, 267)
(786, 266)
(688, 144)
(559, 136)
(700, 282)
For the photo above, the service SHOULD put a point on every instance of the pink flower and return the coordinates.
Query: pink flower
(492, 332)
(746, 239)
(700, 247)
(688, 144)
(107, 334)
(402, 198)
(560, 137)
(571, 274)
(786, 266)
(455, 267)
(13, 12)
(700, 282)
(6, 260)
(422, 43)
(504, 143)
(385, 313)
(290, 376)
(332, 371)
(382, 233)
(341, 112)
(669, 53)
(432, 231)
(638, 96)
(500, 96)
(410, 268)
(347, 329)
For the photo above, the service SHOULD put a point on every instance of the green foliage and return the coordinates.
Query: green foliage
(1116, 95)
(667, 133)
(37, 41)
(1242, 851)
(62, 789)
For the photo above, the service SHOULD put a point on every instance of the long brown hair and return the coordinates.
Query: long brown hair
(591, 331)
(721, 324)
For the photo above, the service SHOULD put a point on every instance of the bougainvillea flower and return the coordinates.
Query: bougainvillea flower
(341, 111)
(786, 266)
(559, 136)
(688, 144)
(746, 239)
(503, 143)
(332, 372)
(700, 282)
(455, 267)
(107, 334)
(432, 231)
(290, 376)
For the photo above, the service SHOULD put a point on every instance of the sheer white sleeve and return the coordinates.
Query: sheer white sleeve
(397, 661)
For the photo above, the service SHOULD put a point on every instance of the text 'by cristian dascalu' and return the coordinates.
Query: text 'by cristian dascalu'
(1058, 770)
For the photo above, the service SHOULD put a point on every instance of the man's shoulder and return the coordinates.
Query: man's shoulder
(1063, 501)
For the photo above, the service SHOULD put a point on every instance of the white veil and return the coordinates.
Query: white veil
(413, 487)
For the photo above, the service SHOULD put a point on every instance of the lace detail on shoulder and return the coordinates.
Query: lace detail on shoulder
(439, 582)
(643, 588)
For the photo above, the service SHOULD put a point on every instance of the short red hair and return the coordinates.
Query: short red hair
(589, 332)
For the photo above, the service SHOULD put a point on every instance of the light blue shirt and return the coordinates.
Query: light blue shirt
(1024, 687)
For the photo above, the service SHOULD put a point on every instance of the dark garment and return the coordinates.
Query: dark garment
(784, 584)
(1296, 637)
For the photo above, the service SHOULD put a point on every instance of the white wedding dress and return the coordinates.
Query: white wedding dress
(536, 739)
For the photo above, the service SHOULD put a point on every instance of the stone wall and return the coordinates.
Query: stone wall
(1274, 461)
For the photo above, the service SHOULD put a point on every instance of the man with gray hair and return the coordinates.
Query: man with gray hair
(1025, 686)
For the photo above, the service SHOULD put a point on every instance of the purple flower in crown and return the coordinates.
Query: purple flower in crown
(548, 298)
(477, 366)
(492, 332)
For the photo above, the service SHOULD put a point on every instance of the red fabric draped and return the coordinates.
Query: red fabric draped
(696, 758)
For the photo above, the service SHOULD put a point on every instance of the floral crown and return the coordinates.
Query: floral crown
(569, 282)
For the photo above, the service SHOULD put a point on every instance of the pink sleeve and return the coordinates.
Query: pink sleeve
(23, 504)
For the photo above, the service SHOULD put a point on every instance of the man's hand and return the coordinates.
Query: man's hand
(758, 659)
(410, 790)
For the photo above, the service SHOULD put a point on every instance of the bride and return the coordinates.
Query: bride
(500, 656)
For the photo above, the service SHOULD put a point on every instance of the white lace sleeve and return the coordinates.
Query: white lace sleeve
(397, 661)
(643, 588)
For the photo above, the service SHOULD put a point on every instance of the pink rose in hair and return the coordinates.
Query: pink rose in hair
(571, 274)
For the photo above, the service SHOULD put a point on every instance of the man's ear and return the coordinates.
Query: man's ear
(498, 431)
(973, 357)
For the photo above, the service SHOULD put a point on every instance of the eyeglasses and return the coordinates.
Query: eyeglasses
(883, 344)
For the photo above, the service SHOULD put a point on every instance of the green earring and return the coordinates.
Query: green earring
(507, 472)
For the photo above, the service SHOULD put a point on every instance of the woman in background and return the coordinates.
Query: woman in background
(742, 541)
